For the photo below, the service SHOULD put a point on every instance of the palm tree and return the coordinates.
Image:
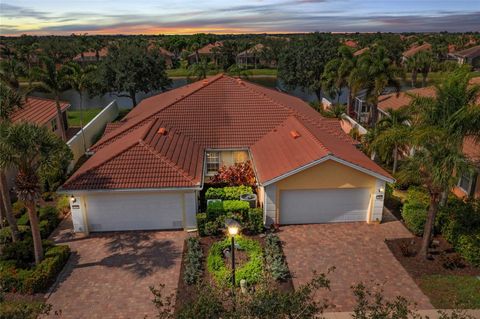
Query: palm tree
(440, 125)
(413, 65)
(393, 135)
(27, 54)
(10, 71)
(199, 70)
(33, 151)
(377, 72)
(9, 101)
(337, 72)
(425, 61)
(80, 80)
(52, 80)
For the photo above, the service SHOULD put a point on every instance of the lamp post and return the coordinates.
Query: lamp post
(233, 228)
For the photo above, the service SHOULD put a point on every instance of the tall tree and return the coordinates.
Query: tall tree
(412, 65)
(33, 151)
(338, 70)
(377, 73)
(425, 61)
(10, 100)
(52, 80)
(440, 125)
(80, 79)
(130, 68)
(303, 62)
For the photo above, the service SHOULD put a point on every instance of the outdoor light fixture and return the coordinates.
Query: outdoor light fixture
(233, 227)
(73, 199)
(381, 189)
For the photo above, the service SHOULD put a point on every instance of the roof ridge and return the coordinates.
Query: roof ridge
(214, 79)
(167, 161)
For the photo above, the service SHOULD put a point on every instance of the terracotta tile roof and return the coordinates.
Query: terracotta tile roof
(161, 143)
(415, 49)
(208, 48)
(351, 43)
(469, 53)
(38, 110)
(360, 52)
(102, 53)
(111, 126)
(471, 149)
(396, 101)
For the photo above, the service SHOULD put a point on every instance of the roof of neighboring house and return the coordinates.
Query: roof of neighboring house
(208, 48)
(469, 53)
(161, 142)
(162, 50)
(415, 49)
(253, 50)
(351, 43)
(103, 52)
(38, 110)
(471, 149)
(361, 51)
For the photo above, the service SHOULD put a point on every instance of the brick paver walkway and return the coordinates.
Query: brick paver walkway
(109, 274)
(358, 252)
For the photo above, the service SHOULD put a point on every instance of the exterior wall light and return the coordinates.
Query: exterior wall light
(73, 199)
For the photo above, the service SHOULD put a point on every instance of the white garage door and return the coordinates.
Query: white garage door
(324, 205)
(127, 211)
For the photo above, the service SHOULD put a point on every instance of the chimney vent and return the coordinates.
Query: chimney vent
(162, 131)
(294, 134)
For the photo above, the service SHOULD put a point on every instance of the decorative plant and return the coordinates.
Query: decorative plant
(235, 175)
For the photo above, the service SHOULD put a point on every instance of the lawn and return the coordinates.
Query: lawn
(181, 72)
(74, 116)
(449, 291)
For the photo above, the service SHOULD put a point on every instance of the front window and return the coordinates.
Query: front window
(53, 124)
(213, 162)
(465, 182)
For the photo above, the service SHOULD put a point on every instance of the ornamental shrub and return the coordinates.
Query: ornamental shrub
(63, 204)
(215, 193)
(414, 211)
(194, 261)
(275, 259)
(234, 192)
(236, 206)
(254, 222)
(201, 220)
(18, 209)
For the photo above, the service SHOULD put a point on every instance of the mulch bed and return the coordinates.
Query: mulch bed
(186, 294)
(417, 266)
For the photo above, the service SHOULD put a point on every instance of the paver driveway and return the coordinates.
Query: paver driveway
(108, 275)
(358, 252)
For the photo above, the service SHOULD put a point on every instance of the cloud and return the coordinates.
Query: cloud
(11, 11)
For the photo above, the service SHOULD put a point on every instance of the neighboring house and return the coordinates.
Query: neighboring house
(469, 183)
(414, 50)
(91, 56)
(206, 52)
(361, 51)
(468, 56)
(351, 43)
(167, 55)
(251, 56)
(147, 172)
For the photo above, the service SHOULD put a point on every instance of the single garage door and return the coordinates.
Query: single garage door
(324, 205)
(134, 211)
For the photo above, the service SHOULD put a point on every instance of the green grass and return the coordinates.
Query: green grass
(432, 78)
(74, 116)
(449, 291)
(255, 72)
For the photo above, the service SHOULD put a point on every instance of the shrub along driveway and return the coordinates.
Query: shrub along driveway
(358, 252)
(109, 274)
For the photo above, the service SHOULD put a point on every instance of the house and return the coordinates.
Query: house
(361, 51)
(251, 56)
(468, 56)
(147, 172)
(43, 112)
(351, 43)
(206, 52)
(414, 50)
(91, 56)
(469, 183)
(167, 55)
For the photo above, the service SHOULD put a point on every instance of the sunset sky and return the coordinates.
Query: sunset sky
(253, 16)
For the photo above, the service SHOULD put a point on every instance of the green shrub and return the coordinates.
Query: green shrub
(63, 204)
(213, 228)
(254, 223)
(468, 245)
(48, 196)
(275, 259)
(201, 220)
(414, 212)
(194, 262)
(18, 209)
(38, 278)
(21, 252)
(23, 220)
(215, 193)
(236, 206)
(234, 192)
(214, 209)
(251, 271)
(6, 234)
(49, 220)
(22, 309)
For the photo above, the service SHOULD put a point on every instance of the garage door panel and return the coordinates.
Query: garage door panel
(112, 212)
(324, 205)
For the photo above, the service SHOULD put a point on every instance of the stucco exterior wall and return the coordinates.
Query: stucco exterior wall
(326, 175)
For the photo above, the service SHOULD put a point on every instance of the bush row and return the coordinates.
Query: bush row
(274, 258)
(414, 211)
(48, 220)
(194, 262)
(228, 193)
(251, 271)
(251, 221)
(36, 279)
(215, 209)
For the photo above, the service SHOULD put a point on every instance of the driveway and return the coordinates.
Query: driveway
(358, 252)
(109, 274)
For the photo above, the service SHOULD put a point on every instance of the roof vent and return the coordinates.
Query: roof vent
(294, 134)
(162, 131)
(205, 82)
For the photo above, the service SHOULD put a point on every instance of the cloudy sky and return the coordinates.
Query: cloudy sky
(241, 16)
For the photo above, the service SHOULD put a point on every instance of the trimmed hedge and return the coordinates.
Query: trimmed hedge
(228, 193)
(414, 211)
(251, 271)
(216, 209)
(193, 263)
(274, 258)
(38, 278)
(213, 224)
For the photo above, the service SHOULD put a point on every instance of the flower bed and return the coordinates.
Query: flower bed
(251, 271)
(193, 271)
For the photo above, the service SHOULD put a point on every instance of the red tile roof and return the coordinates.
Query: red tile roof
(396, 101)
(208, 48)
(38, 110)
(351, 43)
(469, 53)
(360, 52)
(101, 53)
(415, 49)
(161, 143)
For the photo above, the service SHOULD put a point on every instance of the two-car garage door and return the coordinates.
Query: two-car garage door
(139, 211)
(324, 205)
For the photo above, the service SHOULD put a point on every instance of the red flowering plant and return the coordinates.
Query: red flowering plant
(236, 175)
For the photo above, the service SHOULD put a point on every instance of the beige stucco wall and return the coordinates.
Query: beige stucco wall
(328, 175)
